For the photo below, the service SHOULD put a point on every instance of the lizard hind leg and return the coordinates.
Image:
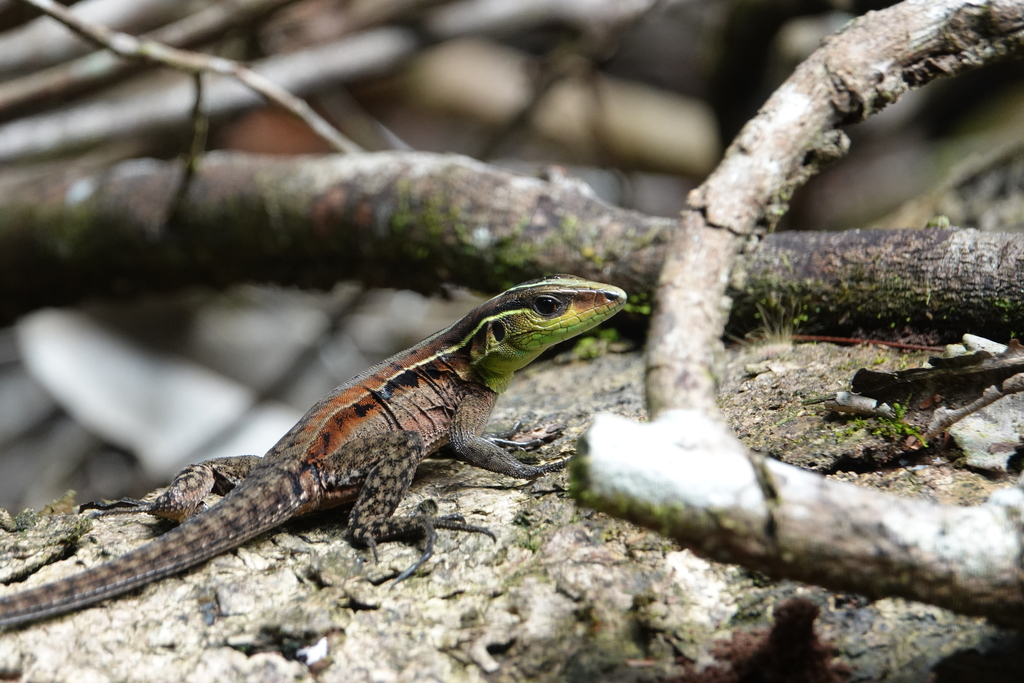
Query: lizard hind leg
(396, 455)
(183, 498)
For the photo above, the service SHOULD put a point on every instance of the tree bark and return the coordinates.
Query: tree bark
(702, 488)
(313, 221)
(855, 73)
(392, 219)
(951, 280)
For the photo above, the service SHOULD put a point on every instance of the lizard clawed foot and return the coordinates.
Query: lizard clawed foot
(428, 552)
(423, 524)
(115, 507)
(527, 440)
(458, 523)
(506, 435)
(555, 466)
(541, 470)
(125, 506)
(430, 527)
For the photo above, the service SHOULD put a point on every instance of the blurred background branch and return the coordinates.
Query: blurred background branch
(419, 220)
(99, 68)
(147, 50)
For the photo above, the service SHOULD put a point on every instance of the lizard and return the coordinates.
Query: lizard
(360, 444)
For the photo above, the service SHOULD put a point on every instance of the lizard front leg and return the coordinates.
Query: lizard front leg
(387, 464)
(183, 498)
(464, 438)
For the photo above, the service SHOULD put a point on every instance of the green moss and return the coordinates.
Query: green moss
(1010, 311)
(569, 226)
(639, 303)
(403, 216)
(858, 424)
(855, 298)
(531, 542)
(894, 428)
(595, 344)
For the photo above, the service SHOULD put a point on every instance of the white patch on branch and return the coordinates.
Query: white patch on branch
(686, 476)
(791, 105)
(684, 458)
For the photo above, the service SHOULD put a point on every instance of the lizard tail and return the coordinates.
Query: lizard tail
(245, 512)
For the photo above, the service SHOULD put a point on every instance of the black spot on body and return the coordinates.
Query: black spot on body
(381, 397)
(432, 371)
(409, 379)
(297, 491)
(361, 409)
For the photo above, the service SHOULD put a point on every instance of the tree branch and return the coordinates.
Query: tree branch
(165, 104)
(391, 219)
(685, 474)
(99, 68)
(43, 42)
(130, 47)
(703, 489)
(855, 73)
(254, 219)
(950, 279)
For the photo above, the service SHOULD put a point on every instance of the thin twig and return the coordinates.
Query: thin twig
(200, 128)
(870, 342)
(101, 67)
(944, 419)
(130, 47)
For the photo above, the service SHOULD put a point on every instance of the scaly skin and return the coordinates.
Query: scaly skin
(361, 443)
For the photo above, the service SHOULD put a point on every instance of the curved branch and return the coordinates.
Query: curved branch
(688, 475)
(855, 73)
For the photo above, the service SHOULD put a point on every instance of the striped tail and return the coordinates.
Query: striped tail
(247, 511)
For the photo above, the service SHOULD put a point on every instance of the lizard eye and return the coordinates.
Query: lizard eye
(546, 305)
(498, 330)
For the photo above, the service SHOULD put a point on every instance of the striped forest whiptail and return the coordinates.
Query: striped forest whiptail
(361, 443)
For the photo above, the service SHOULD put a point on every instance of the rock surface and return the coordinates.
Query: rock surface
(565, 594)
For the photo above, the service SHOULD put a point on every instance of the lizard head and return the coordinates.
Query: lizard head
(516, 326)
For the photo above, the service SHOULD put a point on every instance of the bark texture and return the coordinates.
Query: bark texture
(789, 523)
(421, 220)
(566, 594)
(391, 219)
(950, 280)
